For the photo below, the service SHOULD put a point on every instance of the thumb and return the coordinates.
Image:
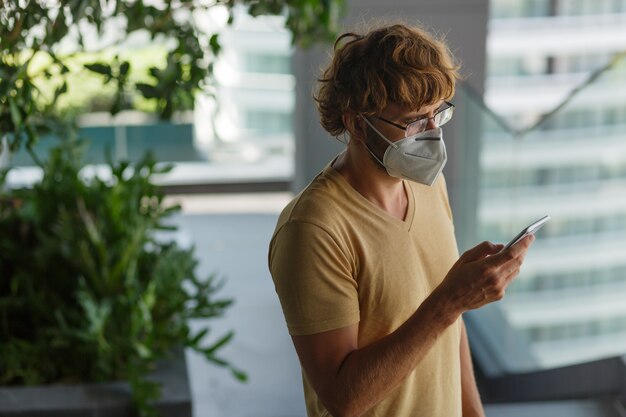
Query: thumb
(480, 251)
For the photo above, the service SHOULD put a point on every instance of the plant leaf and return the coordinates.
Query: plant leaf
(16, 116)
(219, 344)
(99, 68)
(148, 91)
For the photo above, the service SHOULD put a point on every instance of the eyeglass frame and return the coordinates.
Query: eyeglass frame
(419, 119)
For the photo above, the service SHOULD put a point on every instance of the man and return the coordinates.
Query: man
(364, 260)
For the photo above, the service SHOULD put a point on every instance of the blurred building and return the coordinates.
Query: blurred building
(567, 305)
(251, 117)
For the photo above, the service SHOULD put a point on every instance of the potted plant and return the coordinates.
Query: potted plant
(88, 291)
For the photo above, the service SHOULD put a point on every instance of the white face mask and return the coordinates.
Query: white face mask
(418, 158)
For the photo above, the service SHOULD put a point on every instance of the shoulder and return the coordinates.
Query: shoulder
(320, 216)
(320, 204)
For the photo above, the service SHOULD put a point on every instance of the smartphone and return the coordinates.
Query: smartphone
(529, 230)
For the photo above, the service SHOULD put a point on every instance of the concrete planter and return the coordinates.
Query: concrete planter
(102, 400)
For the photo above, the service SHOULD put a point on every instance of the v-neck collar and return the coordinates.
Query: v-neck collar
(406, 224)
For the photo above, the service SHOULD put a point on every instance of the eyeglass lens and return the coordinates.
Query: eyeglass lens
(440, 118)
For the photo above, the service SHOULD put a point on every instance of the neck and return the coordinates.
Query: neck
(371, 180)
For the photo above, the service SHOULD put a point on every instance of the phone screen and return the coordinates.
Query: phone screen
(531, 229)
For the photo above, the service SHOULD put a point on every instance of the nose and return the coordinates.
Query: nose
(431, 124)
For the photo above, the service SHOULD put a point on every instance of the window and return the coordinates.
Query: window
(507, 9)
(267, 63)
(268, 122)
(515, 66)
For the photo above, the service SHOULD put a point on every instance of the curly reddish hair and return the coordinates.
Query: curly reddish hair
(393, 64)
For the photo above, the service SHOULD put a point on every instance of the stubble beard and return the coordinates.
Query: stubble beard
(377, 146)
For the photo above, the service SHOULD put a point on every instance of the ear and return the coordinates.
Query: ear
(355, 125)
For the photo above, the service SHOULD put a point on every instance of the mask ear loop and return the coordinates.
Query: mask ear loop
(379, 134)
(368, 148)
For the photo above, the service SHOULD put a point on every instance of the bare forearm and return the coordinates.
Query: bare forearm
(369, 374)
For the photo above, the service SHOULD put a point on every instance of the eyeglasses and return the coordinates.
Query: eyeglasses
(440, 118)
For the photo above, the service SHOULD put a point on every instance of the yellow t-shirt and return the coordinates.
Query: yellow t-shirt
(337, 259)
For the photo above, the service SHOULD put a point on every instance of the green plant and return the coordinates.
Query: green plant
(88, 293)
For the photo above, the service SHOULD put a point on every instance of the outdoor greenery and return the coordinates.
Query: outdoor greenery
(88, 91)
(88, 292)
(90, 288)
(41, 41)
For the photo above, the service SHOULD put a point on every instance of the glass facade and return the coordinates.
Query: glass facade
(566, 305)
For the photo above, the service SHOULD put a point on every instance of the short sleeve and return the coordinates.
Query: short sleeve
(313, 279)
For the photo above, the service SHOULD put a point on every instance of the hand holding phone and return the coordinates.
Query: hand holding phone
(529, 230)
